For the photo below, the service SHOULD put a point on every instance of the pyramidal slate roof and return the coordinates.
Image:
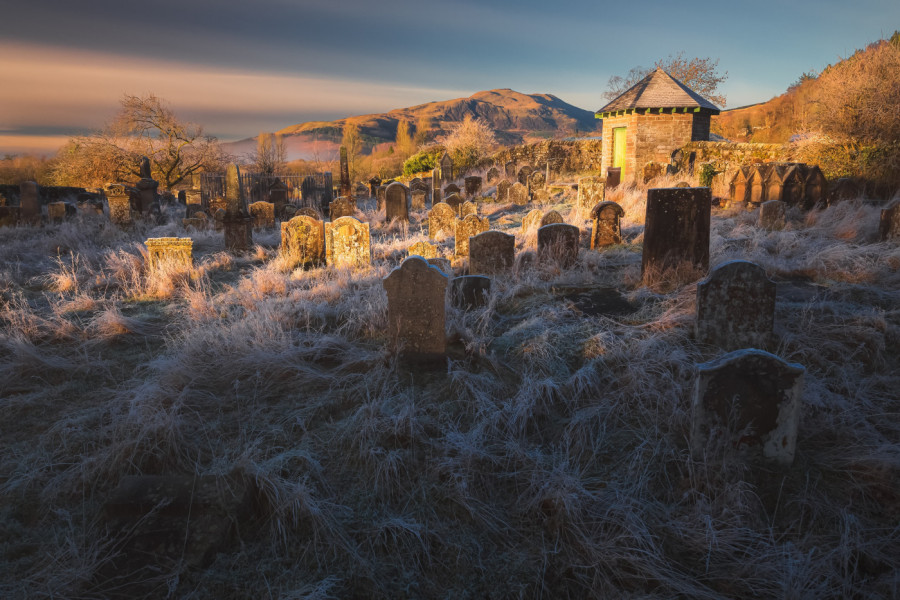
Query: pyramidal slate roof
(658, 90)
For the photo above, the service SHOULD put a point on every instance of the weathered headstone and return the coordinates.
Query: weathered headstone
(532, 220)
(472, 185)
(423, 249)
(396, 202)
(441, 219)
(493, 174)
(551, 217)
(676, 229)
(524, 173)
(735, 307)
(303, 241)
(347, 243)
(751, 399)
(118, 199)
(454, 201)
(345, 190)
(613, 177)
(466, 209)
(470, 291)
(169, 250)
(537, 180)
(540, 196)
(263, 215)
(503, 191)
(341, 207)
(374, 182)
(509, 169)
(29, 203)
(759, 173)
(792, 186)
(446, 168)
(591, 192)
(416, 308)
(449, 189)
(465, 228)
(197, 221)
(771, 214)
(559, 242)
(417, 199)
(651, 170)
(380, 192)
(889, 224)
(606, 224)
(237, 222)
(518, 194)
(308, 211)
(491, 252)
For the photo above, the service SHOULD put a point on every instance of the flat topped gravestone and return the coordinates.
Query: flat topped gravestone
(303, 241)
(347, 243)
(416, 294)
(472, 225)
(472, 185)
(559, 243)
(591, 192)
(423, 249)
(169, 251)
(470, 291)
(441, 219)
(518, 194)
(676, 229)
(748, 399)
(771, 214)
(491, 252)
(341, 206)
(735, 307)
(606, 225)
(396, 202)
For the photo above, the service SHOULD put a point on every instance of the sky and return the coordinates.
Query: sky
(238, 68)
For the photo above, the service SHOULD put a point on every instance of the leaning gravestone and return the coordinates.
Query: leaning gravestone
(237, 222)
(606, 220)
(472, 185)
(454, 201)
(171, 250)
(263, 215)
(465, 228)
(341, 207)
(503, 191)
(532, 220)
(470, 291)
(509, 169)
(491, 252)
(518, 194)
(416, 294)
(423, 249)
(441, 219)
(735, 307)
(559, 242)
(889, 225)
(467, 208)
(396, 202)
(303, 241)
(771, 214)
(29, 203)
(551, 217)
(676, 229)
(591, 192)
(751, 397)
(347, 243)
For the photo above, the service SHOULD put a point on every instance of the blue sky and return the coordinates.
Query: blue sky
(239, 68)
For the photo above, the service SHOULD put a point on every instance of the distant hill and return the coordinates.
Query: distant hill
(515, 117)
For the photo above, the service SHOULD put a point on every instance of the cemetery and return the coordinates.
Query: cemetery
(619, 381)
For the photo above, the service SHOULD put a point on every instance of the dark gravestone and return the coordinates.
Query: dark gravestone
(606, 225)
(29, 203)
(735, 307)
(56, 212)
(503, 191)
(449, 189)
(815, 187)
(613, 177)
(509, 170)
(792, 186)
(237, 222)
(470, 291)
(396, 202)
(119, 202)
(472, 185)
(466, 228)
(345, 189)
(739, 188)
(523, 174)
(771, 214)
(750, 399)
(416, 294)
(341, 207)
(676, 229)
(493, 174)
(446, 168)
(373, 185)
(559, 243)
(454, 201)
(491, 252)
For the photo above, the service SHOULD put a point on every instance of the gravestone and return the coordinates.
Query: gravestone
(374, 182)
(237, 222)
(537, 181)
(347, 243)
(308, 211)
(450, 189)
(197, 221)
(423, 249)
(169, 250)
(396, 202)
(541, 196)
(740, 186)
(771, 214)
(417, 199)
(606, 224)
(263, 215)
(815, 187)
(491, 252)
(532, 220)
(735, 307)
(146, 190)
(758, 175)
(341, 207)
(446, 168)
(436, 196)
(503, 191)
(524, 173)
(652, 170)
(416, 294)
(466, 209)
(303, 241)
(360, 191)
(509, 169)
(441, 219)
(380, 192)
(454, 201)
(676, 229)
(493, 174)
(889, 224)
(472, 225)
(56, 212)
(613, 177)
(591, 192)
(29, 203)
(792, 186)
(518, 194)
(753, 400)
(472, 185)
(559, 242)
(470, 291)
(682, 184)
(551, 217)
(118, 199)
(345, 190)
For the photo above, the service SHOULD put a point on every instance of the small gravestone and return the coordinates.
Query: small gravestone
(467, 208)
(509, 170)
(303, 241)
(523, 174)
(29, 203)
(551, 217)
(465, 228)
(606, 224)
(347, 243)
(441, 220)
(441, 263)
(532, 220)
(591, 192)
(56, 212)
(417, 199)
(472, 185)
(450, 189)
(345, 190)
(117, 197)
(307, 211)
(537, 181)
(735, 307)
(237, 222)
(263, 215)
(416, 294)
(652, 170)
(380, 192)
(491, 252)
(613, 177)
(198, 221)
(423, 249)
(470, 291)
(889, 224)
(503, 191)
(396, 202)
(518, 194)
(676, 229)
(454, 201)
(771, 214)
(169, 250)
(559, 243)
(493, 174)
(750, 399)
(341, 207)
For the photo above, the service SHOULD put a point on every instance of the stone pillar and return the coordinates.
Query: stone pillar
(345, 174)
(676, 229)
(237, 222)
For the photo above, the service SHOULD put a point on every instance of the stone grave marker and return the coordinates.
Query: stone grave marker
(423, 249)
(169, 250)
(197, 221)
(396, 202)
(503, 191)
(118, 199)
(449, 189)
(467, 208)
(740, 186)
(540, 196)
(591, 192)
(472, 225)
(380, 192)
(237, 222)
(559, 242)
(347, 243)
(524, 173)
(447, 168)
(436, 196)
(753, 399)
(815, 187)
(29, 203)
(889, 223)
(416, 294)
(491, 252)
(374, 182)
(454, 201)
(551, 217)
(417, 199)
(606, 224)
(735, 307)
(509, 169)
(341, 207)
(518, 194)
(308, 211)
(532, 220)
(676, 229)
(470, 291)
(441, 218)
(472, 185)
(263, 215)
(345, 189)
(56, 212)
(772, 214)
(303, 241)
(537, 181)
(493, 174)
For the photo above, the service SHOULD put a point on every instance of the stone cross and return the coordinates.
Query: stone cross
(347, 243)
(170, 250)
(465, 228)
(676, 229)
(491, 252)
(559, 242)
(345, 190)
(751, 397)
(441, 218)
(303, 241)
(606, 224)
(416, 294)
(735, 307)
(396, 202)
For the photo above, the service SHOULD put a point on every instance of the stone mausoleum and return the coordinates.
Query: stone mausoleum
(649, 121)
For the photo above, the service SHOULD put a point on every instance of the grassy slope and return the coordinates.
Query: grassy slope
(548, 459)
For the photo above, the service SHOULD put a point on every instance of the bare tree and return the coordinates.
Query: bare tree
(469, 141)
(700, 74)
(271, 154)
(352, 141)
